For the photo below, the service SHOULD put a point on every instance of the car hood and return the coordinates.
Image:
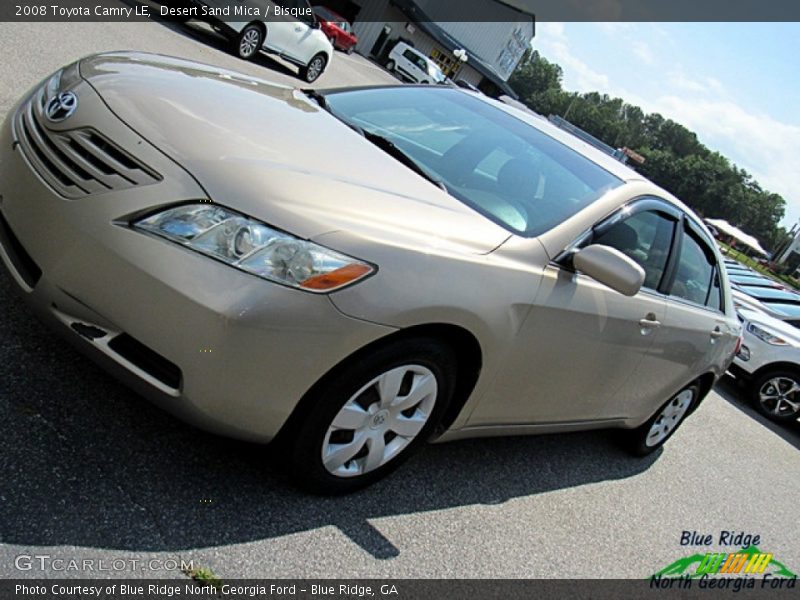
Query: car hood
(273, 153)
(781, 328)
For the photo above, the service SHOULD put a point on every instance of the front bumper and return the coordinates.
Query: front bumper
(219, 348)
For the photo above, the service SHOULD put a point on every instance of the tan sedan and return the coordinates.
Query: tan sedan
(353, 272)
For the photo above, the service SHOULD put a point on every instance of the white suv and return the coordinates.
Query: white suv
(414, 66)
(287, 28)
(769, 361)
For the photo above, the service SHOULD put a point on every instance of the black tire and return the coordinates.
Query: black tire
(390, 66)
(315, 67)
(637, 442)
(248, 43)
(308, 433)
(765, 384)
(350, 50)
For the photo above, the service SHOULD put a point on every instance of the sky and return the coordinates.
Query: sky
(736, 85)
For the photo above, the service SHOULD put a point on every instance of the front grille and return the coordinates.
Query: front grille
(147, 360)
(27, 269)
(79, 162)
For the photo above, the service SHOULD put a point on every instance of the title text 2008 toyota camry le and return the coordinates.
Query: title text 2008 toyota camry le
(350, 273)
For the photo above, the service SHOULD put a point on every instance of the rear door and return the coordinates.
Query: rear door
(695, 335)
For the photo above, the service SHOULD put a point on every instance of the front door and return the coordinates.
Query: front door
(582, 342)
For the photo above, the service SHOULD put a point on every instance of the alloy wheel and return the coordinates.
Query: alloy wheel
(379, 421)
(314, 69)
(249, 43)
(778, 396)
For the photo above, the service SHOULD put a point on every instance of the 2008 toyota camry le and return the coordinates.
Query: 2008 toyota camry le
(350, 273)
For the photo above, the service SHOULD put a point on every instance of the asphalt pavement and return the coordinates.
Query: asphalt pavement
(89, 470)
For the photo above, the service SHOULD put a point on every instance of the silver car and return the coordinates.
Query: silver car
(351, 273)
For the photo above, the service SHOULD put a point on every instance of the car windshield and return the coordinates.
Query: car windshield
(790, 310)
(504, 168)
(771, 294)
(435, 72)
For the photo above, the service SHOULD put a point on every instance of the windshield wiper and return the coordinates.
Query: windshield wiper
(323, 104)
(380, 141)
(391, 148)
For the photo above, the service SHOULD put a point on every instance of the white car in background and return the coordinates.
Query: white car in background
(295, 36)
(413, 66)
(769, 362)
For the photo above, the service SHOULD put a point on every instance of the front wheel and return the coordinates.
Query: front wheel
(371, 416)
(314, 68)
(666, 420)
(248, 42)
(777, 395)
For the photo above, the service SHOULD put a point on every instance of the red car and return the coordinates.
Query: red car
(337, 28)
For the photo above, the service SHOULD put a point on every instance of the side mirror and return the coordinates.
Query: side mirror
(610, 267)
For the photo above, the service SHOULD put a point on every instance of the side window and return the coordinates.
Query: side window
(646, 238)
(696, 279)
(715, 296)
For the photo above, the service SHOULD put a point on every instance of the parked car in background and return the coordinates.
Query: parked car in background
(740, 269)
(768, 363)
(481, 272)
(411, 65)
(337, 28)
(298, 40)
(778, 310)
(742, 300)
(763, 294)
(753, 280)
(785, 312)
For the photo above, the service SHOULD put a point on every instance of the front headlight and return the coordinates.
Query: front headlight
(252, 246)
(766, 336)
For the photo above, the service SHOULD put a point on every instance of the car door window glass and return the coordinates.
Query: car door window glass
(645, 238)
(715, 296)
(696, 276)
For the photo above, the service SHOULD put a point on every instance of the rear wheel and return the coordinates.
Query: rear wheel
(314, 68)
(776, 395)
(249, 41)
(370, 417)
(390, 66)
(666, 420)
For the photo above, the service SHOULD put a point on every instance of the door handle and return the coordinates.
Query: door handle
(650, 321)
(716, 333)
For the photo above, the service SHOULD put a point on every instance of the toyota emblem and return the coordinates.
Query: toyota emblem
(61, 107)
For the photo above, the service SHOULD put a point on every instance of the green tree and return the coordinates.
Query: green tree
(674, 157)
